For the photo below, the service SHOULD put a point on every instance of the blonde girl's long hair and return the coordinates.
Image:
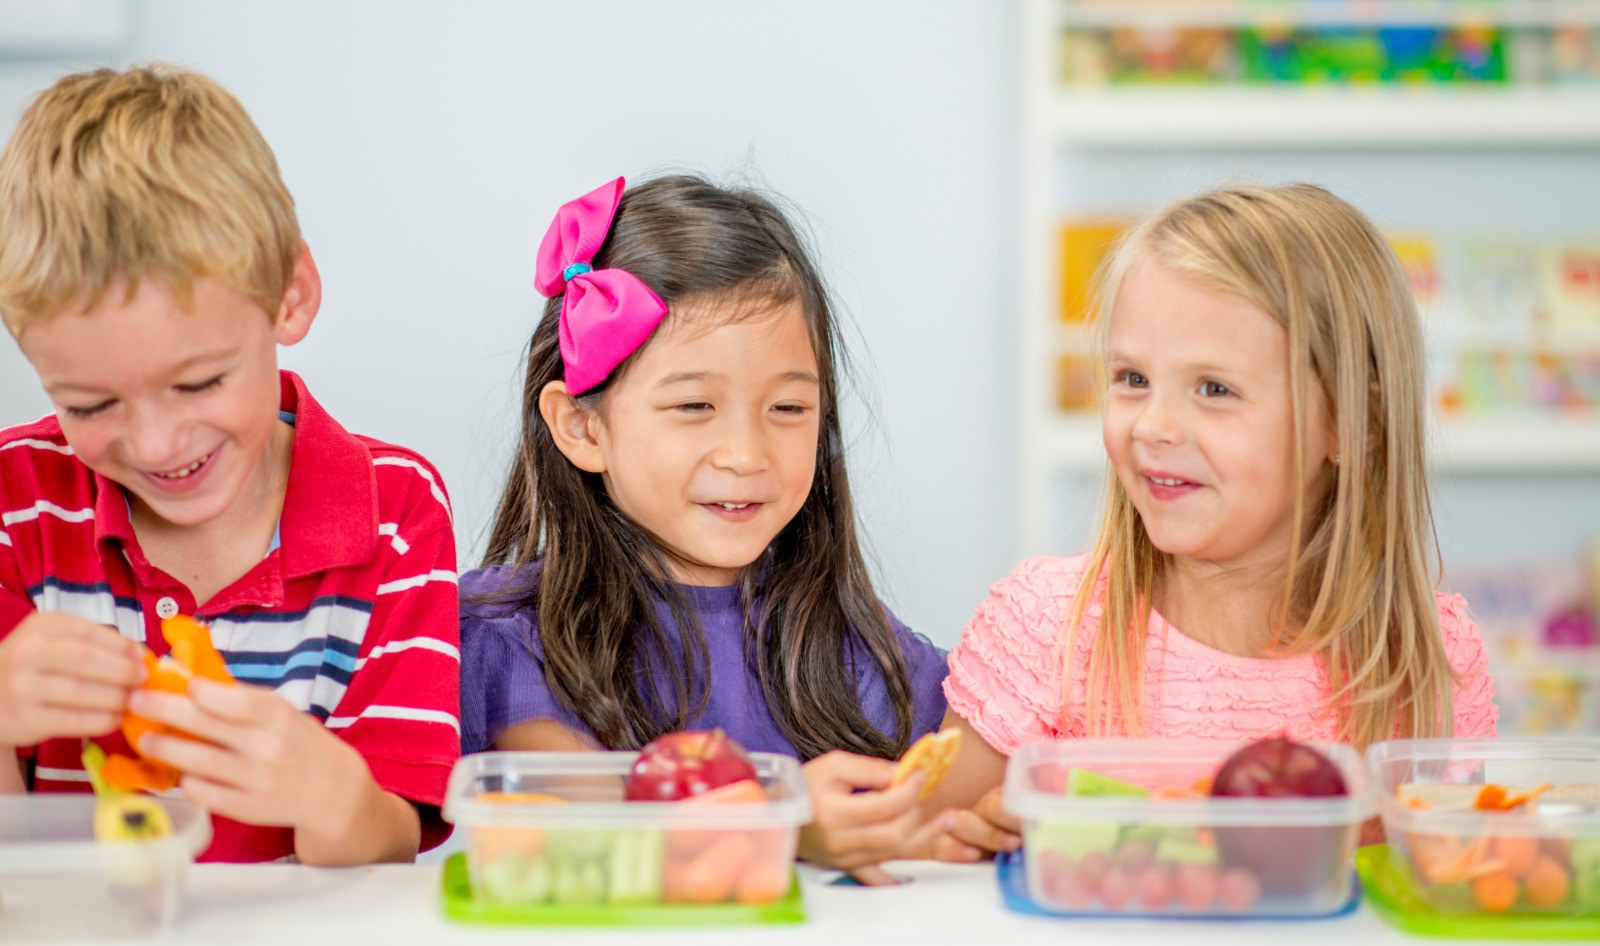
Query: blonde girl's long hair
(1358, 591)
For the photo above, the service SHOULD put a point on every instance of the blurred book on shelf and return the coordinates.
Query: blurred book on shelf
(1419, 258)
(1406, 42)
(1542, 641)
(1077, 383)
(1084, 245)
(1513, 322)
(1570, 274)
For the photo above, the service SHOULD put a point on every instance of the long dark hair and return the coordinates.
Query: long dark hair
(594, 576)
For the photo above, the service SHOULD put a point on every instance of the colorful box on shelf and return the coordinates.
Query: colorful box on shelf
(1493, 828)
(1114, 827)
(551, 840)
(1477, 42)
(57, 883)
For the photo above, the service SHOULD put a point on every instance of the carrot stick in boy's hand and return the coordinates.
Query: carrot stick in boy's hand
(259, 760)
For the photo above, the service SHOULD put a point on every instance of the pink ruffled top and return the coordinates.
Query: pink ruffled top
(1005, 675)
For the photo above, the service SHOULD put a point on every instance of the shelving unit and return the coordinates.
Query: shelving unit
(1323, 117)
(1064, 123)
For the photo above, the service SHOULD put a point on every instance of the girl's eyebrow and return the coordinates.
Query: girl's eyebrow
(684, 377)
(1197, 367)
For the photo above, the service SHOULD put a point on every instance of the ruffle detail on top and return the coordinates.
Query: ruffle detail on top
(1476, 715)
(1006, 674)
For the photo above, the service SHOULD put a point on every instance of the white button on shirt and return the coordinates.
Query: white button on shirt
(167, 607)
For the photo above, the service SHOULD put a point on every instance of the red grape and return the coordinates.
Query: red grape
(1197, 886)
(1135, 855)
(1154, 887)
(1239, 890)
(1116, 889)
(1074, 889)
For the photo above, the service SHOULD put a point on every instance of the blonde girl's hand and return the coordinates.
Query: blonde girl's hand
(264, 762)
(981, 831)
(64, 676)
(860, 821)
(981, 825)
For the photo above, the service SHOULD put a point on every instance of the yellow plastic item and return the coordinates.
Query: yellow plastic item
(121, 816)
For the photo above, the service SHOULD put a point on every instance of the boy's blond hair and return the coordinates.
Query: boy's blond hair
(152, 173)
(1359, 589)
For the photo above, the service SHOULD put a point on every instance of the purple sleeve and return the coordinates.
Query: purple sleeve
(502, 681)
(926, 669)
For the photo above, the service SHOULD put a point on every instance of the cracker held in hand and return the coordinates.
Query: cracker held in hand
(934, 753)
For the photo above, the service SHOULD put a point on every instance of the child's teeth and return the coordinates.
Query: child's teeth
(732, 506)
(1161, 482)
(185, 471)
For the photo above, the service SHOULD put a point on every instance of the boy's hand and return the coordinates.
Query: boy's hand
(980, 832)
(855, 830)
(64, 676)
(263, 762)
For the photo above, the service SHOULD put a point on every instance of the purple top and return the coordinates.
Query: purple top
(503, 685)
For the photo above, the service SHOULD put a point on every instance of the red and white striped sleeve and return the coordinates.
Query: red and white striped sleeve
(20, 482)
(402, 707)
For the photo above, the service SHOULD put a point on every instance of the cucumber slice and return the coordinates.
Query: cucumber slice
(1087, 782)
(636, 858)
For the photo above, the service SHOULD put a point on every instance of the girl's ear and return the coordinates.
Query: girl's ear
(573, 427)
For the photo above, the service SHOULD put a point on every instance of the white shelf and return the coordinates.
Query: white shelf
(1512, 444)
(1073, 445)
(1517, 445)
(1324, 117)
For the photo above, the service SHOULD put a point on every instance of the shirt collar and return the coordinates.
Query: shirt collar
(330, 509)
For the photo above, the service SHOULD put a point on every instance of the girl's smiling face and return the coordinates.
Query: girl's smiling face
(1199, 424)
(708, 441)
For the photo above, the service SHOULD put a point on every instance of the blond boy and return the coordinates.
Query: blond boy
(150, 265)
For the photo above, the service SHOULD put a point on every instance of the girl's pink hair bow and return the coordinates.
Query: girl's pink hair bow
(606, 314)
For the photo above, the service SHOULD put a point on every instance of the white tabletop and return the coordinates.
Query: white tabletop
(941, 903)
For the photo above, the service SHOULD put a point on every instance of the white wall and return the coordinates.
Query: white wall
(427, 145)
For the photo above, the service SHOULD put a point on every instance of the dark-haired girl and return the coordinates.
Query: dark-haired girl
(676, 547)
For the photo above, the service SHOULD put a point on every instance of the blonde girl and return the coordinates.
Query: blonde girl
(1264, 563)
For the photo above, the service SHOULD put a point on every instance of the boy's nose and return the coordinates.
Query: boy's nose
(155, 442)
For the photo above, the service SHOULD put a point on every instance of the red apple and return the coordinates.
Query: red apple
(1276, 768)
(683, 764)
(1287, 861)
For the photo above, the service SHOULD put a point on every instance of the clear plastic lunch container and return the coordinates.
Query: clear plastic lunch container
(1123, 827)
(1461, 859)
(552, 829)
(58, 883)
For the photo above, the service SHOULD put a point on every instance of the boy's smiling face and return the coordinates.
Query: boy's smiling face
(179, 407)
